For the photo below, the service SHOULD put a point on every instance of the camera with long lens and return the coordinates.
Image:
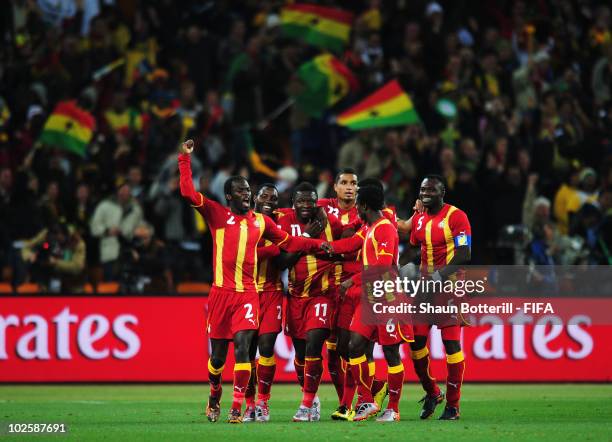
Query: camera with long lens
(53, 246)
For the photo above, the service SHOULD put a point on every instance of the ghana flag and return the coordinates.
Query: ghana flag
(320, 26)
(326, 80)
(69, 127)
(388, 106)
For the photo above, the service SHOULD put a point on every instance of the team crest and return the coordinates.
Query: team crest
(441, 225)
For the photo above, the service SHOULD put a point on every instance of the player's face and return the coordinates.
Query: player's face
(240, 198)
(305, 204)
(431, 193)
(346, 187)
(266, 201)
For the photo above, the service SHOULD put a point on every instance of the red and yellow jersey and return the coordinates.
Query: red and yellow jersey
(381, 244)
(311, 276)
(439, 236)
(346, 216)
(268, 275)
(235, 237)
(347, 245)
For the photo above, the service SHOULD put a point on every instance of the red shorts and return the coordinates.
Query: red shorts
(449, 333)
(304, 314)
(347, 307)
(449, 324)
(271, 312)
(388, 334)
(230, 311)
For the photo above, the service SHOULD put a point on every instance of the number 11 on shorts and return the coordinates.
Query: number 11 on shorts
(318, 307)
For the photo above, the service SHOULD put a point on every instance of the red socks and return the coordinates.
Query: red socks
(349, 389)
(455, 365)
(395, 377)
(214, 378)
(266, 367)
(363, 379)
(242, 374)
(420, 360)
(313, 369)
(377, 384)
(299, 371)
(336, 372)
(250, 392)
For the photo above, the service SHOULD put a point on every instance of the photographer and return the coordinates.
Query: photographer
(143, 264)
(56, 257)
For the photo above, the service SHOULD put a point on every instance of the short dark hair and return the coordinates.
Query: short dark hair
(227, 187)
(346, 170)
(372, 182)
(438, 178)
(372, 196)
(304, 186)
(267, 185)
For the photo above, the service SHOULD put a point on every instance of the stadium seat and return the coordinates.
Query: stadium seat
(199, 288)
(107, 288)
(28, 287)
(6, 288)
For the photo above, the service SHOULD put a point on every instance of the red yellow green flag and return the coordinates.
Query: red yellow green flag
(326, 80)
(69, 127)
(388, 106)
(321, 26)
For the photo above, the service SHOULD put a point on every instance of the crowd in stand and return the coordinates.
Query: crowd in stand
(527, 156)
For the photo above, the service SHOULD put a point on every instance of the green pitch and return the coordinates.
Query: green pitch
(175, 412)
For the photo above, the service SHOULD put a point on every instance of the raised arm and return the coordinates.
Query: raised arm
(186, 181)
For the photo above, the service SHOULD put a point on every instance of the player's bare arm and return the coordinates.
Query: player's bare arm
(287, 260)
(405, 226)
(462, 256)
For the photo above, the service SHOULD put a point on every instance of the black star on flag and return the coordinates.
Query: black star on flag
(374, 113)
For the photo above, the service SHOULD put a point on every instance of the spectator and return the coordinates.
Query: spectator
(114, 219)
(143, 263)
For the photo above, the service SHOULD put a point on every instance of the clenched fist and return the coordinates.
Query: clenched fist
(187, 146)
